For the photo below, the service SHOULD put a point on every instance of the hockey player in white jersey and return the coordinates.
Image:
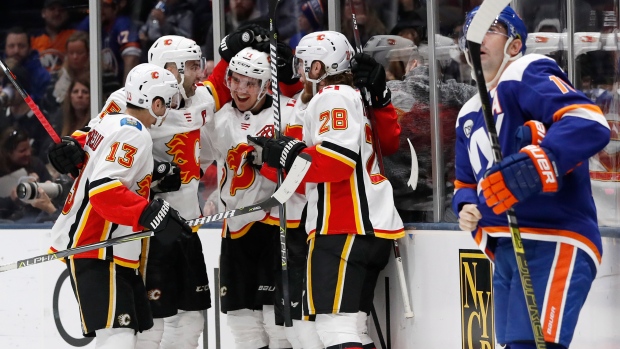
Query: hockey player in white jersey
(350, 205)
(109, 199)
(250, 242)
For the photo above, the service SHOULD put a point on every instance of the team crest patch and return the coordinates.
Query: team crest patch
(124, 319)
(154, 294)
(131, 122)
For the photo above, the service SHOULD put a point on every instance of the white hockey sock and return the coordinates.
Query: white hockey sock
(115, 338)
(362, 328)
(277, 334)
(151, 338)
(247, 329)
(182, 331)
(334, 329)
(307, 335)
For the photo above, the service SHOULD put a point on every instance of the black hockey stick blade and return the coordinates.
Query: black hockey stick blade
(300, 166)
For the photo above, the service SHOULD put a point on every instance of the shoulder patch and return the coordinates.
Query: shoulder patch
(131, 122)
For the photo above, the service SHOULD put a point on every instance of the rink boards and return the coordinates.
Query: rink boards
(448, 281)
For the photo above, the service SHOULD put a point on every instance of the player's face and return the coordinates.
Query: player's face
(492, 50)
(17, 47)
(80, 97)
(244, 90)
(193, 75)
(77, 55)
(22, 153)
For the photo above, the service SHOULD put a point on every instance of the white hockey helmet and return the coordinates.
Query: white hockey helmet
(330, 47)
(175, 49)
(145, 82)
(251, 63)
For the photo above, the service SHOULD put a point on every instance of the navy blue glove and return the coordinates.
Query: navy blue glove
(277, 153)
(520, 176)
(245, 36)
(532, 132)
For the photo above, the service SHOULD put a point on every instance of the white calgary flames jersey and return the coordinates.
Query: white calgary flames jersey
(240, 183)
(335, 121)
(110, 193)
(178, 140)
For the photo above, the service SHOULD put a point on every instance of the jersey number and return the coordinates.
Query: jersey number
(561, 84)
(338, 118)
(127, 159)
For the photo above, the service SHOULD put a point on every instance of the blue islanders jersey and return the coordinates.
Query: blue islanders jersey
(534, 88)
(119, 39)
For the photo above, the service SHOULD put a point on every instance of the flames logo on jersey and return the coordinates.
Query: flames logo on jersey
(144, 186)
(71, 197)
(184, 148)
(243, 172)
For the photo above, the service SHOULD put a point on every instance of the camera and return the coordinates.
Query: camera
(27, 191)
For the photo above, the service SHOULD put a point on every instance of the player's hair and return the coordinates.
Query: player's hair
(343, 78)
(135, 107)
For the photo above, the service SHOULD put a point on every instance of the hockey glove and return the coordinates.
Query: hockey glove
(520, 176)
(169, 176)
(277, 153)
(532, 132)
(164, 221)
(369, 74)
(241, 38)
(286, 74)
(67, 156)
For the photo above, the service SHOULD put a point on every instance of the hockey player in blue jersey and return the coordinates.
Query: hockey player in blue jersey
(546, 181)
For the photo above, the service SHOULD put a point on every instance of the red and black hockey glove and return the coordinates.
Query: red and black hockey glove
(520, 176)
(165, 222)
(277, 153)
(67, 156)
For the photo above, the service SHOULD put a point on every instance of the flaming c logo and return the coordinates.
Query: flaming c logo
(144, 186)
(155, 75)
(168, 42)
(184, 148)
(244, 173)
(320, 37)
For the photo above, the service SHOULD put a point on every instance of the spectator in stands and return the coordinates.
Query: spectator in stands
(19, 115)
(17, 48)
(411, 27)
(51, 41)
(76, 63)
(173, 17)
(368, 23)
(75, 111)
(16, 161)
(310, 20)
(120, 50)
(241, 12)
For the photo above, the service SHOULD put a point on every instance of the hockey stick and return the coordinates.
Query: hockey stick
(284, 192)
(488, 12)
(33, 106)
(377, 148)
(275, 95)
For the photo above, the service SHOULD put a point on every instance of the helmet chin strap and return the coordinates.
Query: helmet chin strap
(160, 119)
(315, 82)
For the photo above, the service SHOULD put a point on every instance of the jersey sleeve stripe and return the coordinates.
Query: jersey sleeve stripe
(211, 88)
(101, 185)
(337, 152)
(460, 185)
(586, 111)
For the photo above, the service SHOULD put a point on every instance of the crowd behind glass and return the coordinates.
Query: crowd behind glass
(46, 45)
